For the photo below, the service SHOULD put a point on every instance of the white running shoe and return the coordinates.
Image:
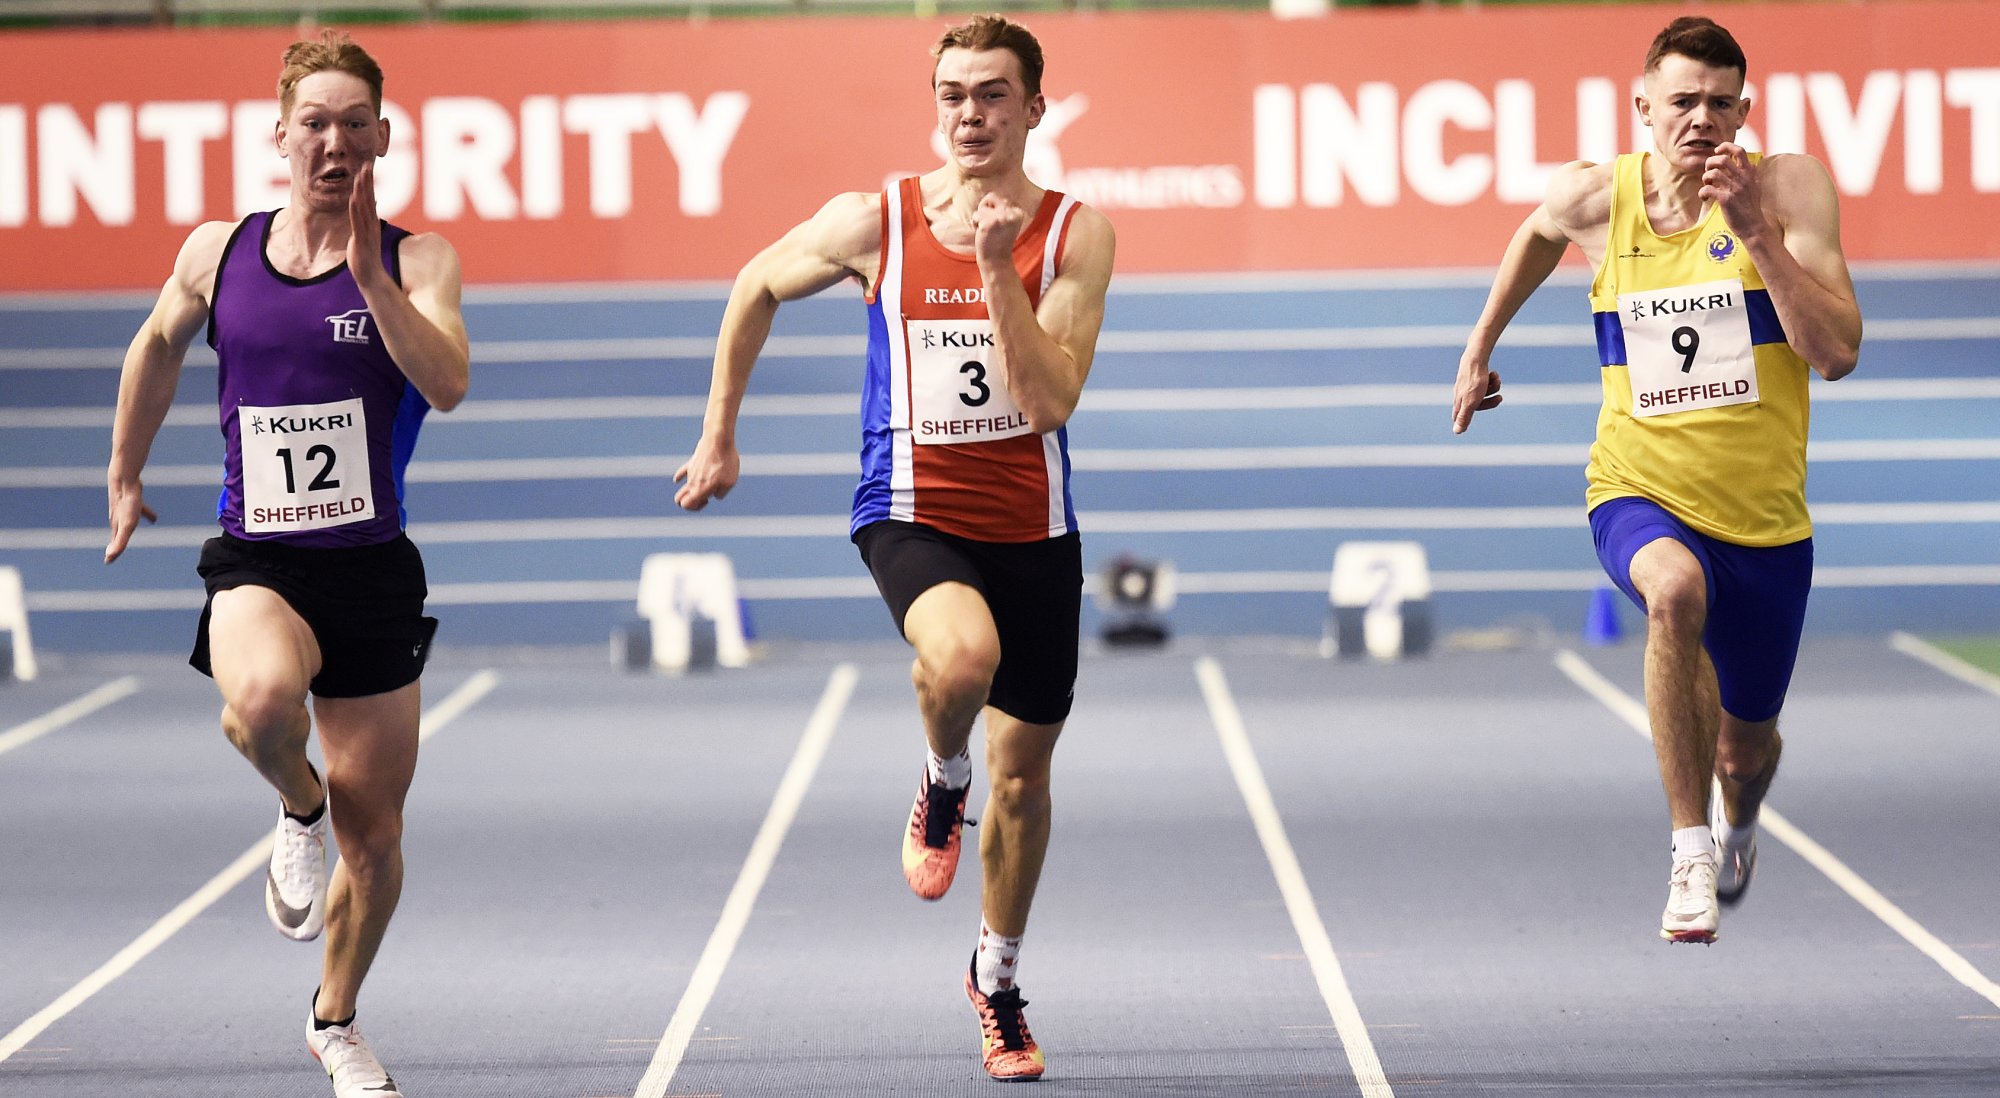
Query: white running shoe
(295, 885)
(1736, 848)
(1691, 914)
(355, 1071)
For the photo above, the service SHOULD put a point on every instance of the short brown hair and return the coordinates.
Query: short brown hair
(333, 51)
(995, 32)
(1697, 38)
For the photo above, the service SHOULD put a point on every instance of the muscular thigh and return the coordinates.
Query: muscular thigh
(1035, 590)
(360, 609)
(1755, 622)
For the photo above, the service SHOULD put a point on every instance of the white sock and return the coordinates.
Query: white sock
(993, 966)
(1693, 842)
(952, 773)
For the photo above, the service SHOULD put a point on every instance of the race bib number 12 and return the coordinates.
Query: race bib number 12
(305, 466)
(1688, 347)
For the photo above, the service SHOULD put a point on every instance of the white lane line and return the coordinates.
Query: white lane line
(1353, 1032)
(97, 699)
(1919, 649)
(749, 882)
(219, 885)
(1633, 713)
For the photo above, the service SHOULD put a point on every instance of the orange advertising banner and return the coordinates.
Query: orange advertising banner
(1215, 141)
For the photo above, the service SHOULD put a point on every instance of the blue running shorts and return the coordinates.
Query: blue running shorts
(1756, 599)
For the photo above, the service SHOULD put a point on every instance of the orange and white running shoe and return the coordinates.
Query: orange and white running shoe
(1007, 1048)
(930, 842)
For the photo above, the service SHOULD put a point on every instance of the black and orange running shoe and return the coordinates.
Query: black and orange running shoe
(930, 843)
(1006, 1047)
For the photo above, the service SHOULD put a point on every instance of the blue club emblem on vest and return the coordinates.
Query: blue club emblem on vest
(1721, 247)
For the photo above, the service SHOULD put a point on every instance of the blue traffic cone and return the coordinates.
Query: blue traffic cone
(1600, 624)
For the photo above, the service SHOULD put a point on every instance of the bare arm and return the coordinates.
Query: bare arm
(1787, 213)
(1571, 209)
(151, 372)
(420, 320)
(842, 240)
(1044, 355)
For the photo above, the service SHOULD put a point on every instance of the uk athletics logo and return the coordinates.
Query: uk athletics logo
(350, 326)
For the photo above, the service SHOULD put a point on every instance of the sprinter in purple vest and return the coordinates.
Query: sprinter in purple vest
(336, 333)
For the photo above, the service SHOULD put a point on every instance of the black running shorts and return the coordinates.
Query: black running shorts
(364, 604)
(1033, 588)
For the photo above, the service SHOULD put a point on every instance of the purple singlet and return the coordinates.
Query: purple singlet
(318, 421)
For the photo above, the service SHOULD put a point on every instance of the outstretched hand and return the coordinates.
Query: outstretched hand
(709, 474)
(1478, 389)
(128, 506)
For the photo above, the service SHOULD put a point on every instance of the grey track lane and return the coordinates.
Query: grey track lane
(1485, 842)
(1159, 960)
(1489, 848)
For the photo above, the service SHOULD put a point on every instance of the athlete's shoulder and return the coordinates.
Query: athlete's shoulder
(1091, 220)
(1581, 190)
(208, 239)
(427, 253)
(201, 255)
(847, 228)
(1793, 170)
(851, 207)
(1090, 241)
(1578, 198)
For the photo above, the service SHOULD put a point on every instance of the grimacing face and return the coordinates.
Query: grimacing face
(983, 109)
(1691, 108)
(333, 129)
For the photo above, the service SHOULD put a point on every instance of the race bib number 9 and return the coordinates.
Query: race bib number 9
(1688, 347)
(955, 394)
(305, 466)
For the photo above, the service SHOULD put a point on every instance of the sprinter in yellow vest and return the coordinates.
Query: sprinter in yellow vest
(1719, 283)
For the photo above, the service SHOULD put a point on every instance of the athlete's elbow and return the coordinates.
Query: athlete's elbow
(1836, 363)
(448, 393)
(1051, 415)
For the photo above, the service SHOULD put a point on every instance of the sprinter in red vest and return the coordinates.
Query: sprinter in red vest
(985, 294)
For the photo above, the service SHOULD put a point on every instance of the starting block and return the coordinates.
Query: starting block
(1379, 601)
(17, 649)
(693, 618)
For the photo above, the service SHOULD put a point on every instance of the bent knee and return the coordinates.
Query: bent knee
(1679, 604)
(1020, 789)
(369, 847)
(266, 707)
(960, 666)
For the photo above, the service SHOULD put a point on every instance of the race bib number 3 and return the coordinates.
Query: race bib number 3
(955, 394)
(305, 466)
(1688, 347)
